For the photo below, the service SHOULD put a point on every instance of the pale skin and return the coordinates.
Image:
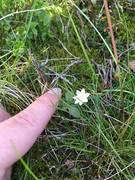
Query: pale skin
(19, 133)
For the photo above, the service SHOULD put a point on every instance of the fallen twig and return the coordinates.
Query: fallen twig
(111, 29)
(38, 69)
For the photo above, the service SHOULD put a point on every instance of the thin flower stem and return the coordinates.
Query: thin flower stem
(23, 11)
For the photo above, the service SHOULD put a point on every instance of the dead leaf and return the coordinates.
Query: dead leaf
(132, 65)
(70, 164)
(132, 45)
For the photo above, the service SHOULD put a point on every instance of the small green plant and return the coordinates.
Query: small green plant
(69, 106)
(25, 26)
(94, 140)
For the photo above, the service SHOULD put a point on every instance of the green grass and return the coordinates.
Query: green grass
(92, 141)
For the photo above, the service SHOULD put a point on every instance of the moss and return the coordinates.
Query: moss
(41, 158)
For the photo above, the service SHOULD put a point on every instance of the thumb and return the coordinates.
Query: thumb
(18, 134)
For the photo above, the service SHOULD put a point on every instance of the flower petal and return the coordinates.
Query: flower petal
(78, 92)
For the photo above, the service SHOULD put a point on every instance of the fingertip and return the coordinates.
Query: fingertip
(56, 91)
(51, 98)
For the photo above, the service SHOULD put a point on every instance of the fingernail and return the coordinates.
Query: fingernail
(57, 91)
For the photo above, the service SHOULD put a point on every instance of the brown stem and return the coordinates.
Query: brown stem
(111, 30)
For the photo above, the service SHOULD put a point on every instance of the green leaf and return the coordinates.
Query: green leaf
(73, 111)
(69, 96)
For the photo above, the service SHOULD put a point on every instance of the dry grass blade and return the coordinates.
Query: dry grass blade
(38, 69)
(111, 29)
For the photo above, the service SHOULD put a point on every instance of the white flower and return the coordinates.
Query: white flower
(81, 97)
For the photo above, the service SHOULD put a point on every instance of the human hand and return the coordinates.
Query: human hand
(18, 133)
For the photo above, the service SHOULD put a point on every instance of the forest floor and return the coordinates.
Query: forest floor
(71, 43)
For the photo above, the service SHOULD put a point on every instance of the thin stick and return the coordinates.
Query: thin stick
(39, 71)
(111, 30)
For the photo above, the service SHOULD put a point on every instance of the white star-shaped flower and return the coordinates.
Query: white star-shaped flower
(81, 97)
